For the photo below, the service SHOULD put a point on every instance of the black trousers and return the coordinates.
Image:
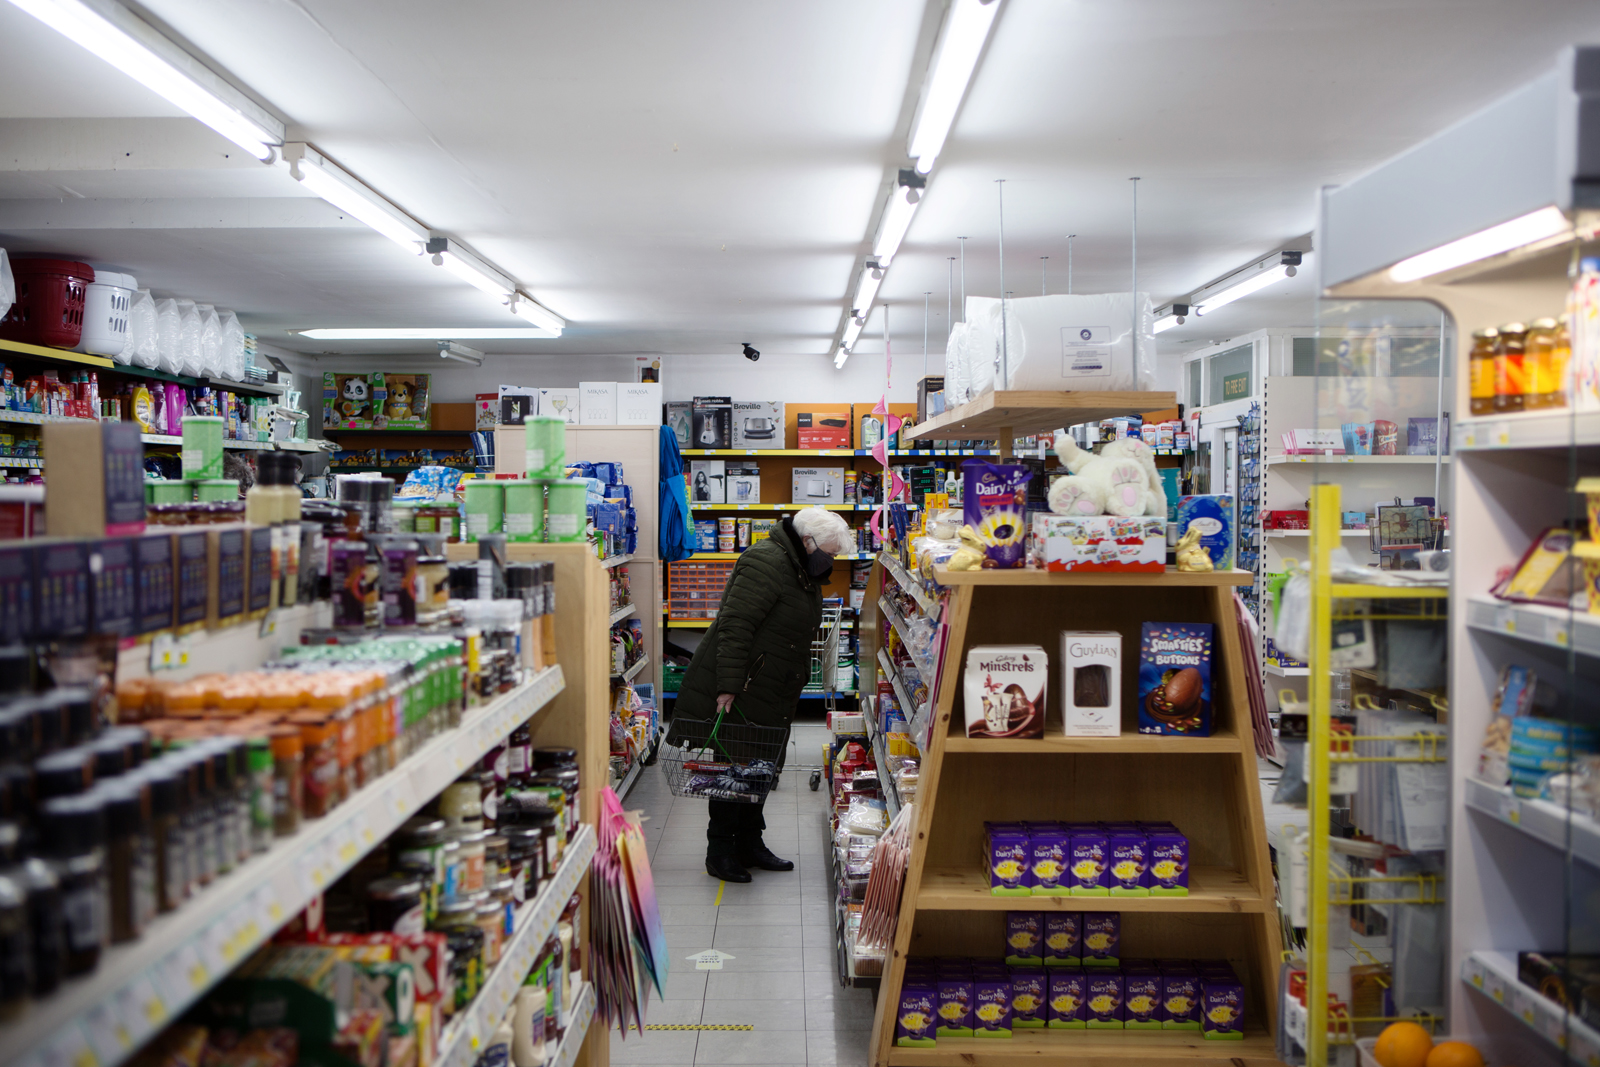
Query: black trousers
(734, 827)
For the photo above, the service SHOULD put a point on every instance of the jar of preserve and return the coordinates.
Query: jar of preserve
(319, 739)
(525, 849)
(395, 905)
(472, 859)
(491, 920)
(496, 857)
(288, 780)
(418, 848)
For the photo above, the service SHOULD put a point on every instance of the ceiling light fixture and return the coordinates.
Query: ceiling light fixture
(838, 360)
(1252, 279)
(426, 333)
(460, 353)
(897, 214)
(525, 306)
(852, 334)
(955, 57)
(143, 53)
(345, 192)
(448, 254)
(1172, 315)
(1526, 229)
(866, 290)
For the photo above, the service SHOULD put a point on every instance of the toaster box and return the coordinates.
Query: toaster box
(1099, 543)
(708, 481)
(822, 425)
(711, 422)
(1175, 678)
(675, 415)
(1091, 683)
(818, 485)
(1213, 516)
(758, 424)
(401, 401)
(1004, 690)
(743, 482)
(347, 400)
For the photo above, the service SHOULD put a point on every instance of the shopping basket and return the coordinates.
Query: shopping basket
(723, 759)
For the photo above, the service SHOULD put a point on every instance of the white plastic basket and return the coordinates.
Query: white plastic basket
(105, 314)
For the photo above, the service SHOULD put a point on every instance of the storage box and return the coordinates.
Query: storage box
(758, 424)
(401, 401)
(98, 491)
(823, 426)
(638, 404)
(818, 485)
(347, 400)
(711, 422)
(708, 481)
(744, 483)
(1004, 690)
(1091, 683)
(675, 414)
(1099, 543)
(597, 403)
(560, 404)
(1175, 678)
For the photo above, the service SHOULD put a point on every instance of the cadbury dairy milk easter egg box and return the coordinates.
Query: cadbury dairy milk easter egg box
(1175, 678)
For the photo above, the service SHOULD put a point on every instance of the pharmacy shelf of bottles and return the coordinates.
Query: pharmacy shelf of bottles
(139, 987)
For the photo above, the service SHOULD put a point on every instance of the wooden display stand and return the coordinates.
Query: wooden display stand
(1207, 786)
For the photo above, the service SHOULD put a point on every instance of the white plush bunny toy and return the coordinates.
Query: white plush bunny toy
(1120, 480)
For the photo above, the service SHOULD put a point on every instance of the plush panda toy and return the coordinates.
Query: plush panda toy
(1120, 480)
(356, 397)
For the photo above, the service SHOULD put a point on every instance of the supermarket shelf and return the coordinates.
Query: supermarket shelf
(615, 561)
(736, 555)
(469, 1032)
(789, 507)
(1307, 533)
(1494, 974)
(335, 431)
(1288, 672)
(908, 708)
(160, 439)
(1539, 624)
(629, 778)
(1560, 428)
(622, 613)
(250, 446)
(1224, 741)
(33, 418)
(899, 625)
(104, 1017)
(61, 354)
(244, 446)
(845, 960)
(633, 670)
(1210, 889)
(929, 604)
(1143, 1048)
(22, 461)
(1371, 591)
(299, 446)
(1031, 576)
(1539, 819)
(1026, 413)
(1273, 461)
(758, 452)
(577, 1028)
(689, 624)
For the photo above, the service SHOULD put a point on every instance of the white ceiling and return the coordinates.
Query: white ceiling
(680, 177)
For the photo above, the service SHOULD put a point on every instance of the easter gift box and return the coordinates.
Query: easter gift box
(1068, 991)
(1175, 678)
(1024, 938)
(1063, 933)
(914, 1022)
(1003, 687)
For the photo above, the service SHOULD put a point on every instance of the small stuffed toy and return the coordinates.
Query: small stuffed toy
(356, 397)
(400, 401)
(1121, 480)
(970, 556)
(1192, 555)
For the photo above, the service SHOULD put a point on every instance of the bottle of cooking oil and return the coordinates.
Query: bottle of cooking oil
(1481, 366)
(1510, 367)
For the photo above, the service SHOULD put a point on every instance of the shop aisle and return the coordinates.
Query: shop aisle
(783, 978)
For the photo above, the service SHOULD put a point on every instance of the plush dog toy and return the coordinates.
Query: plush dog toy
(400, 401)
(1121, 480)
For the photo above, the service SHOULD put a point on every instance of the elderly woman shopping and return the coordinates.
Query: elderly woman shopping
(756, 658)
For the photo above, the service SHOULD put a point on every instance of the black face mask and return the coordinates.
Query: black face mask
(819, 565)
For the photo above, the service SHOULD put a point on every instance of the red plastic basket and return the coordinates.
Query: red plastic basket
(49, 307)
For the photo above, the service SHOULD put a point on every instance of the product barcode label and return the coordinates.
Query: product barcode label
(534, 460)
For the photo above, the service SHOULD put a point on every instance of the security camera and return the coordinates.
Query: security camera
(751, 352)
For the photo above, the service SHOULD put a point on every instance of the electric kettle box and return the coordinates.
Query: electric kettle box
(708, 481)
(818, 485)
(711, 422)
(822, 426)
(744, 482)
(758, 424)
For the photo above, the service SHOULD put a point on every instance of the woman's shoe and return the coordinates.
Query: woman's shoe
(760, 856)
(727, 868)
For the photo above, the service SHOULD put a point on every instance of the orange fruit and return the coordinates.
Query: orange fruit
(1454, 1054)
(1403, 1045)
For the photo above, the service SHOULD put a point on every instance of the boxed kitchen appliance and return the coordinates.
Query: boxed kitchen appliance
(758, 424)
(711, 422)
(818, 485)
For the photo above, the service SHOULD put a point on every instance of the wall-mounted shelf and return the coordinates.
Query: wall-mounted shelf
(791, 507)
(1287, 672)
(1275, 461)
(1019, 413)
(622, 613)
(63, 355)
(843, 452)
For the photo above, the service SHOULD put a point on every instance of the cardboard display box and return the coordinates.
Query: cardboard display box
(401, 401)
(743, 482)
(711, 422)
(818, 485)
(708, 481)
(822, 425)
(347, 400)
(759, 424)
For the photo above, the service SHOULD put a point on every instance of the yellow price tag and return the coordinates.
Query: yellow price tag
(124, 1038)
(155, 1012)
(348, 852)
(198, 977)
(1477, 980)
(85, 1058)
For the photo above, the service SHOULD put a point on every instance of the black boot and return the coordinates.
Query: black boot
(760, 856)
(726, 868)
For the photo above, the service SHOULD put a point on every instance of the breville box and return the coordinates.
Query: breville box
(597, 403)
(744, 482)
(818, 485)
(1091, 683)
(758, 424)
(101, 492)
(708, 481)
(1004, 690)
(711, 422)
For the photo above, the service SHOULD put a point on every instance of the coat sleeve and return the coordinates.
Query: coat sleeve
(747, 600)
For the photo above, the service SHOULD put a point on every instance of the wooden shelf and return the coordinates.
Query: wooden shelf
(1210, 889)
(1017, 413)
(1226, 741)
(1092, 1048)
(1028, 576)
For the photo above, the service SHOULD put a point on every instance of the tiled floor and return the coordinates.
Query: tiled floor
(782, 977)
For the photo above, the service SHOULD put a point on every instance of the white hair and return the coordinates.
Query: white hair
(831, 533)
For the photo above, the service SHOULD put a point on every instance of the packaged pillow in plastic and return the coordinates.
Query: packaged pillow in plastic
(143, 350)
(210, 340)
(189, 361)
(1072, 342)
(232, 345)
(169, 336)
(8, 284)
(957, 375)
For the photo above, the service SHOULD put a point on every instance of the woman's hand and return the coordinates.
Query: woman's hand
(724, 702)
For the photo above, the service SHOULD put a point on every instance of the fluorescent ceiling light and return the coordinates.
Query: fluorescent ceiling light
(470, 269)
(536, 313)
(460, 353)
(136, 48)
(844, 354)
(1166, 322)
(1534, 226)
(428, 333)
(1255, 283)
(955, 56)
(866, 292)
(345, 192)
(896, 221)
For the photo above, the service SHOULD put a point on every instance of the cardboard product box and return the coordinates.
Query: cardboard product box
(1213, 514)
(191, 569)
(744, 482)
(1098, 543)
(675, 414)
(62, 582)
(638, 403)
(597, 403)
(711, 422)
(1175, 678)
(486, 410)
(227, 570)
(401, 401)
(560, 404)
(1004, 690)
(113, 567)
(708, 481)
(261, 583)
(822, 426)
(517, 404)
(1091, 683)
(17, 594)
(100, 493)
(818, 485)
(347, 400)
(759, 424)
(154, 582)
(930, 398)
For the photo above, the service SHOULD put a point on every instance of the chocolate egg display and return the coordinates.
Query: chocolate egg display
(1175, 678)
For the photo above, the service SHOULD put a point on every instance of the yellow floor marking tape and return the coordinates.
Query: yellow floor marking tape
(699, 1026)
(718, 902)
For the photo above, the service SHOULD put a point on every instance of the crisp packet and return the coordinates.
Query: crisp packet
(430, 483)
(994, 499)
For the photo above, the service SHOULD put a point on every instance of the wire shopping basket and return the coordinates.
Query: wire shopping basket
(723, 760)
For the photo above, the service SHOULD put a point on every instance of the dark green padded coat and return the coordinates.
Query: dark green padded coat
(759, 646)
